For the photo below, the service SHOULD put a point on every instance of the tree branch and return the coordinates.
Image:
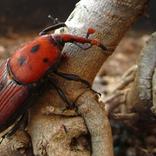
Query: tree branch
(97, 123)
(141, 97)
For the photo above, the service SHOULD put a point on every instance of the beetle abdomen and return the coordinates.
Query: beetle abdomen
(12, 97)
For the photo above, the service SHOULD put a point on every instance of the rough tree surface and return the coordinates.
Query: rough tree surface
(141, 97)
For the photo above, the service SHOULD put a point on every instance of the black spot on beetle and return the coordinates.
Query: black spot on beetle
(21, 60)
(45, 60)
(35, 48)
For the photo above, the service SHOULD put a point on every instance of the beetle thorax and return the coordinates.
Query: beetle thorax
(31, 62)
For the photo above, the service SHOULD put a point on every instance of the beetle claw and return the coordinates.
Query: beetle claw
(71, 106)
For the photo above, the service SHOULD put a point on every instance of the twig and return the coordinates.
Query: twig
(127, 78)
(122, 117)
(98, 124)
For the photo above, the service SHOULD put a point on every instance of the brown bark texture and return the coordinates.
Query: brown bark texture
(51, 129)
(141, 97)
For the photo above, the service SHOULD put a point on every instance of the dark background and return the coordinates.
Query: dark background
(19, 15)
(25, 15)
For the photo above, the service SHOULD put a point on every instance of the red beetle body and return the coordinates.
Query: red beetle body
(12, 96)
(31, 62)
(27, 66)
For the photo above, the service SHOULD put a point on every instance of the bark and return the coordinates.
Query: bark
(51, 129)
(141, 97)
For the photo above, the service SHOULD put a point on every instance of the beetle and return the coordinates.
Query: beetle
(22, 73)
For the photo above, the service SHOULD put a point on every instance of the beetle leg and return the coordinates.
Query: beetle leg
(20, 124)
(70, 105)
(72, 77)
(15, 127)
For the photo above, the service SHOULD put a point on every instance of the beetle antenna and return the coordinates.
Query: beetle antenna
(55, 20)
(57, 24)
(89, 32)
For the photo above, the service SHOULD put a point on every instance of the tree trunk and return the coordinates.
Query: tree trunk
(55, 132)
